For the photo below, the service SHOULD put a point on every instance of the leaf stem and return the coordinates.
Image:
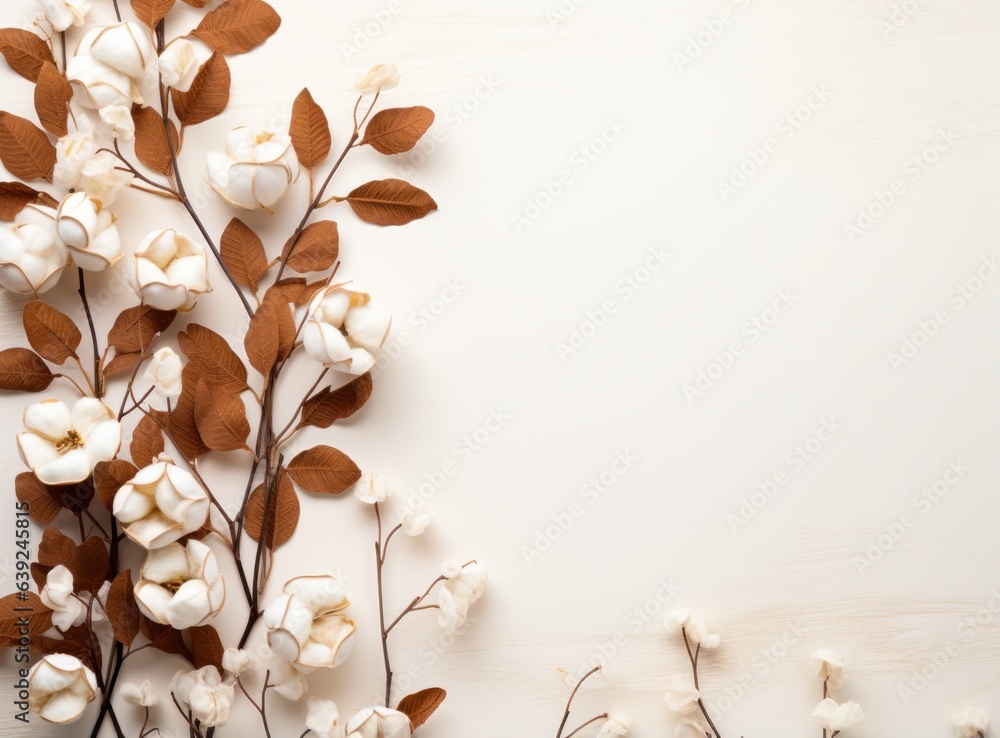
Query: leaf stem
(572, 696)
(96, 385)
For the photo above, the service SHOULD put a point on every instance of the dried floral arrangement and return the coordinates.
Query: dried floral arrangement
(685, 698)
(114, 114)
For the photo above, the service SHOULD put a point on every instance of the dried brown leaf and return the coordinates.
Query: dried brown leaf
(151, 12)
(237, 26)
(317, 248)
(309, 130)
(209, 93)
(134, 329)
(42, 506)
(324, 469)
(182, 424)
(147, 441)
(276, 298)
(111, 476)
(123, 612)
(51, 333)
(121, 363)
(212, 356)
(25, 52)
(206, 646)
(243, 252)
(52, 95)
(390, 202)
(22, 370)
(397, 130)
(25, 149)
(221, 419)
(330, 405)
(419, 706)
(262, 341)
(89, 562)
(197, 3)
(14, 611)
(164, 638)
(296, 290)
(283, 513)
(14, 196)
(151, 145)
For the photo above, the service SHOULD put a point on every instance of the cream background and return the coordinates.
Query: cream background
(665, 519)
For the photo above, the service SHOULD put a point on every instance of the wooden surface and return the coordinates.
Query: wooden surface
(523, 99)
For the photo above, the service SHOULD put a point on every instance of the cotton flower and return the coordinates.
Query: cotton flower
(616, 725)
(58, 594)
(61, 14)
(677, 619)
(161, 504)
(379, 722)
(414, 519)
(833, 717)
(60, 688)
(117, 121)
(62, 446)
(171, 270)
(451, 569)
(88, 229)
(829, 667)
(972, 723)
(306, 625)
(180, 585)
(689, 728)
(322, 718)
(140, 695)
(682, 695)
(288, 681)
(203, 690)
(80, 166)
(112, 65)
(379, 77)
(457, 593)
(345, 328)
(179, 64)
(164, 371)
(256, 169)
(237, 661)
(703, 634)
(32, 257)
(372, 488)
(97, 86)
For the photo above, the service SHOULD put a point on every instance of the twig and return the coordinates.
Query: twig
(694, 670)
(572, 696)
(589, 722)
(96, 385)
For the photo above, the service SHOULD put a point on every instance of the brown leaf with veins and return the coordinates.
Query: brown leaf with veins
(50, 332)
(147, 441)
(237, 26)
(388, 202)
(283, 515)
(134, 328)
(309, 130)
(123, 611)
(52, 95)
(263, 339)
(15, 195)
(25, 149)
(317, 248)
(419, 706)
(151, 12)
(397, 130)
(25, 52)
(111, 476)
(324, 469)
(330, 405)
(209, 93)
(22, 370)
(221, 419)
(14, 610)
(151, 145)
(42, 506)
(243, 252)
(206, 646)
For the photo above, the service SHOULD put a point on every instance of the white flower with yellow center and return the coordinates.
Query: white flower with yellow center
(62, 446)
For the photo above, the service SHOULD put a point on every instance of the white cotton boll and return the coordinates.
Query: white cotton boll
(58, 594)
(829, 667)
(60, 688)
(682, 696)
(164, 371)
(139, 695)
(378, 77)
(62, 446)
(414, 519)
(61, 14)
(973, 722)
(179, 64)
(372, 488)
(238, 661)
(256, 170)
(117, 119)
(322, 718)
(677, 619)
(837, 717)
